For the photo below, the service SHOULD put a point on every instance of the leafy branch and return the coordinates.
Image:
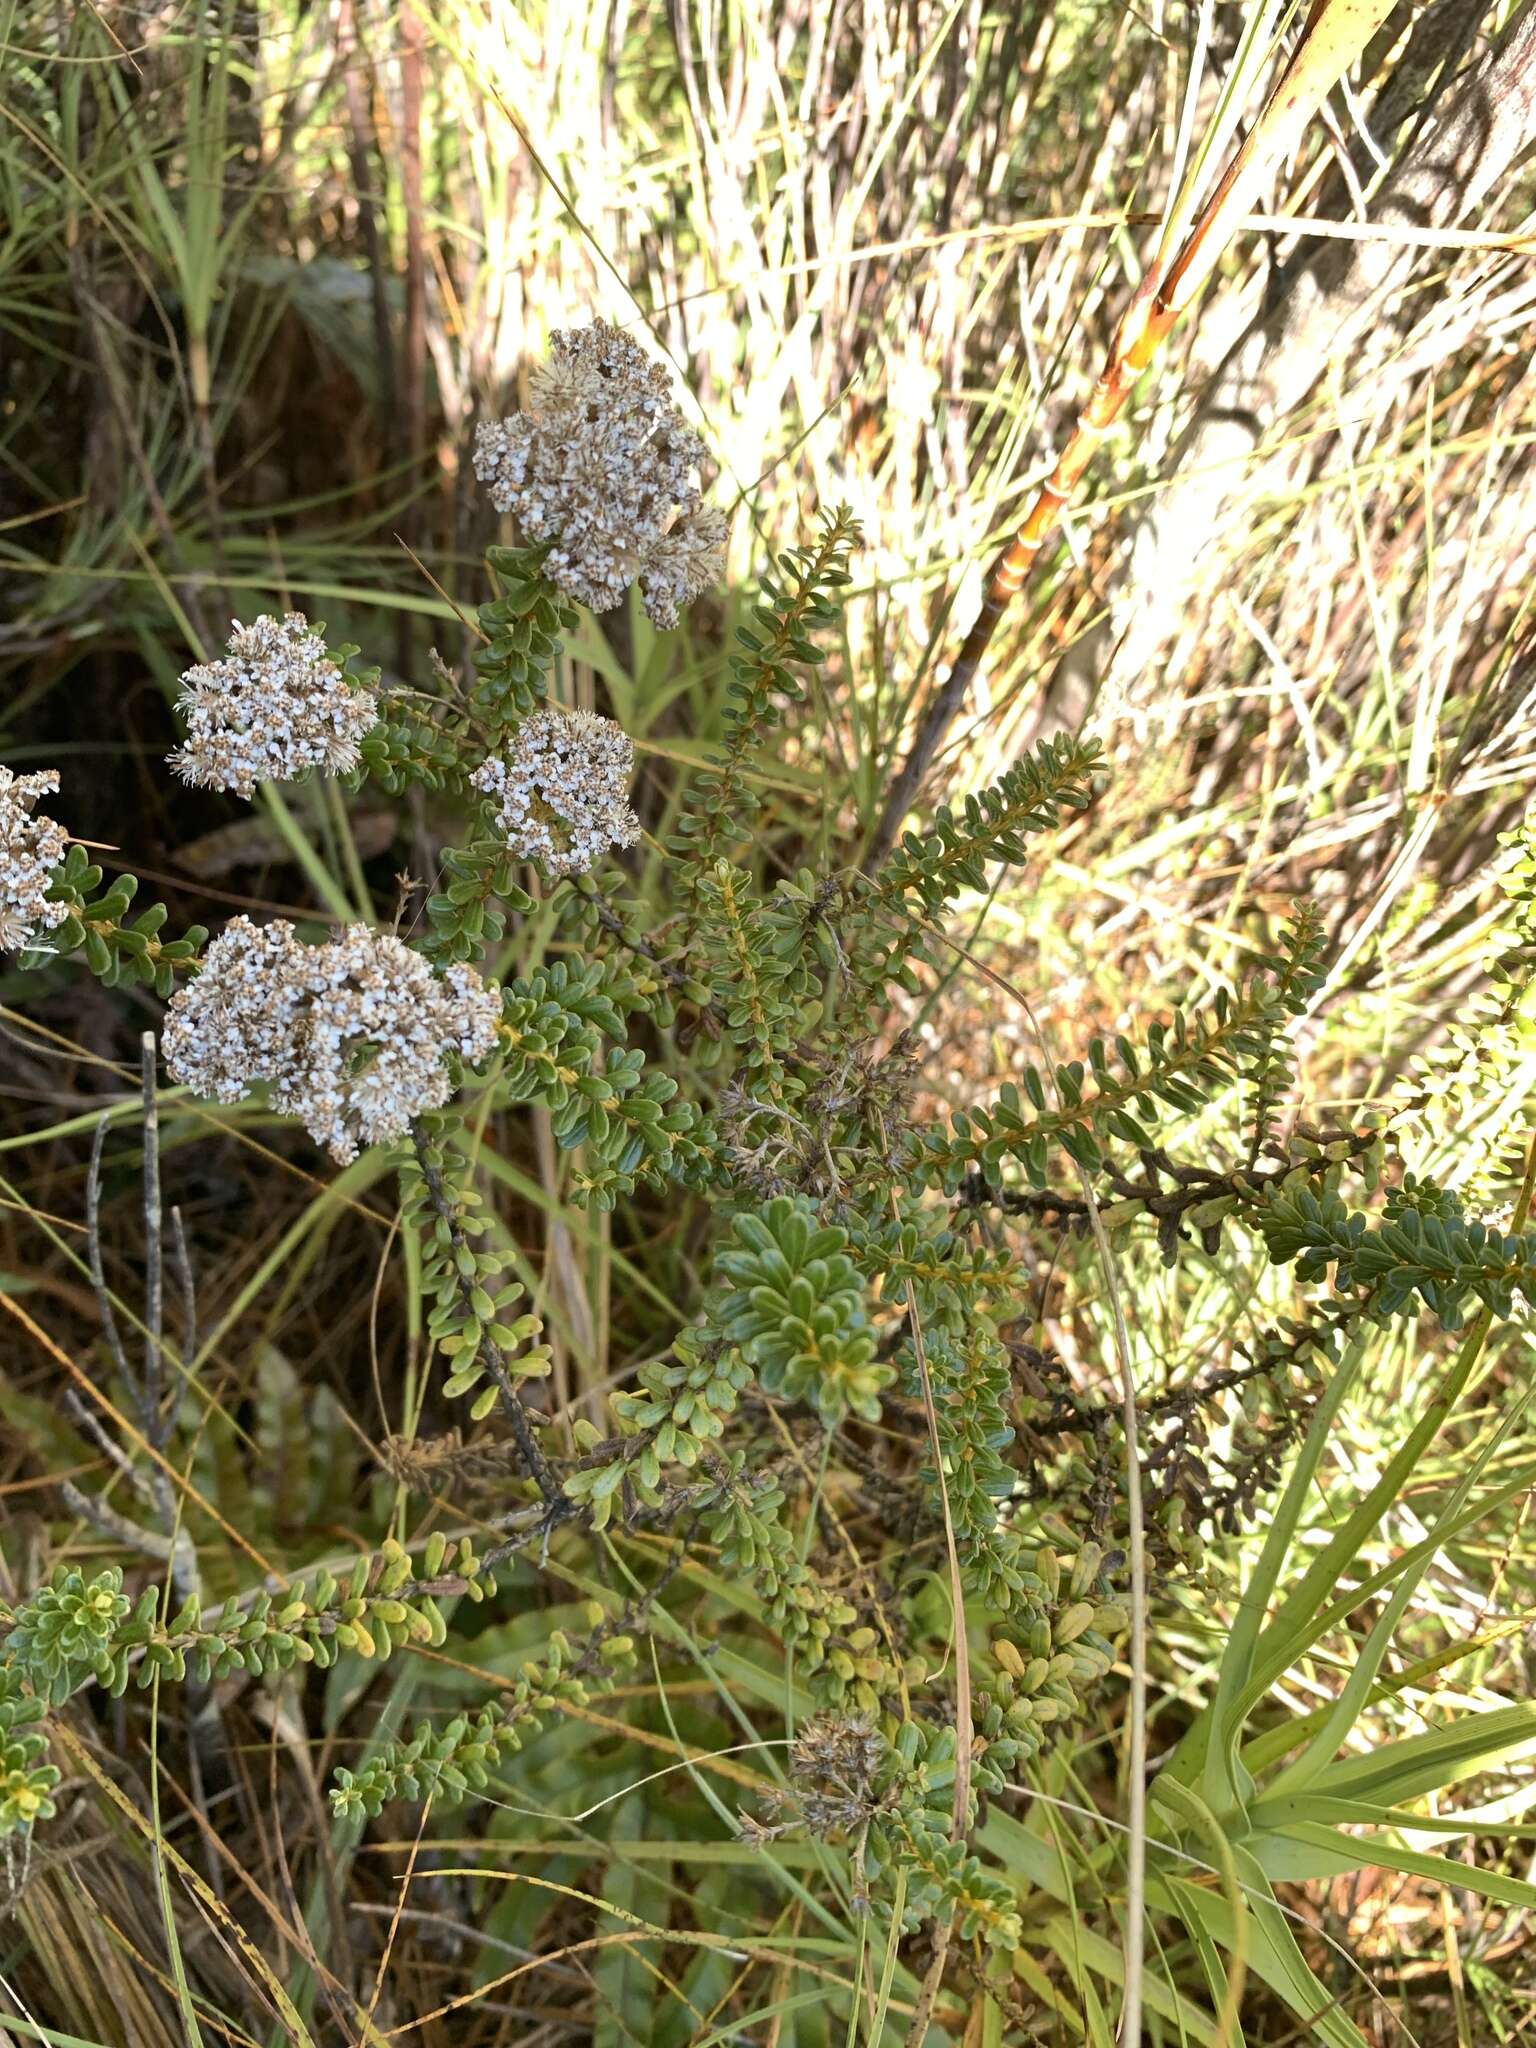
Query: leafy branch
(1182, 1064)
(804, 594)
(1440, 1259)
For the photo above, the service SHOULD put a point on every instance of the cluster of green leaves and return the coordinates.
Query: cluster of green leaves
(788, 1313)
(889, 915)
(445, 1764)
(912, 1834)
(552, 1029)
(26, 1781)
(1442, 1258)
(632, 1127)
(1296, 972)
(675, 1416)
(622, 1113)
(971, 1380)
(523, 628)
(475, 1318)
(843, 1660)
(796, 1311)
(434, 740)
(79, 1629)
(992, 825)
(67, 1632)
(1032, 1690)
(411, 745)
(76, 1629)
(467, 912)
(802, 594)
(954, 1287)
(758, 980)
(97, 929)
(1181, 1066)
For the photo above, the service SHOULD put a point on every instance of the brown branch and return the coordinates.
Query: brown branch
(1192, 1187)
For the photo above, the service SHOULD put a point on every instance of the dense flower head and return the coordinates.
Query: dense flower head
(275, 706)
(31, 847)
(352, 1036)
(562, 792)
(604, 466)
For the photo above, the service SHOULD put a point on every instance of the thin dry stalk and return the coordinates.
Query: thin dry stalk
(1134, 1959)
(1335, 36)
(1136, 1548)
(944, 1927)
(362, 147)
(173, 1546)
(964, 1726)
(412, 40)
(155, 1420)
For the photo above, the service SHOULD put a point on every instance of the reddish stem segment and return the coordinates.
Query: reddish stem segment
(1336, 33)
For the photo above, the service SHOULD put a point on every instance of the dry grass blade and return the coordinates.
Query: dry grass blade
(1336, 33)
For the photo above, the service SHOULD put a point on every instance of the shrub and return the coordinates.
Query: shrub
(854, 1331)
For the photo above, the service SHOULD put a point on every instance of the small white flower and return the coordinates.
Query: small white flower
(275, 706)
(605, 466)
(236, 1023)
(31, 847)
(683, 564)
(352, 1036)
(562, 793)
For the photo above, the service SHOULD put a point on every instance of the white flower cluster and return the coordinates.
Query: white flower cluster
(31, 847)
(604, 465)
(563, 791)
(276, 705)
(350, 1036)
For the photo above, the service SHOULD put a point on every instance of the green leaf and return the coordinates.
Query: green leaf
(1273, 1953)
(1308, 1850)
(1352, 1698)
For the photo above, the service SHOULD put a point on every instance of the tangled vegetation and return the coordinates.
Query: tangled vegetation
(662, 1399)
